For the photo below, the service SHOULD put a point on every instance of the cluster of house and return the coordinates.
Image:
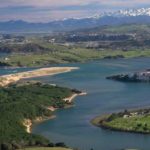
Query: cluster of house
(136, 113)
(11, 39)
(144, 75)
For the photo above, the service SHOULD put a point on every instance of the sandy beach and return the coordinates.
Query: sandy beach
(28, 123)
(73, 96)
(12, 78)
(68, 100)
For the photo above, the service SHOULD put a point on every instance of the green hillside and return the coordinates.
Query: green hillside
(27, 101)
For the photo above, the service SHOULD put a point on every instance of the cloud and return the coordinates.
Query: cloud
(59, 3)
(46, 10)
(43, 3)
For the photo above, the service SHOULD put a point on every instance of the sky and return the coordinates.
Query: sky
(48, 10)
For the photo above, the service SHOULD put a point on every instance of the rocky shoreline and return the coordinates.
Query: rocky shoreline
(142, 76)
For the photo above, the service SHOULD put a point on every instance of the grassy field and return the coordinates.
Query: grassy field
(69, 56)
(137, 124)
(128, 28)
(122, 122)
(122, 29)
(46, 148)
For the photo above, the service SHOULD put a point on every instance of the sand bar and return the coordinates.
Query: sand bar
(12, 78)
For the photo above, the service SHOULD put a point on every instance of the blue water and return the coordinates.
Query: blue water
(73, 127)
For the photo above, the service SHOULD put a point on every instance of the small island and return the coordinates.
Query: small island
(143, 76)
(134, 121)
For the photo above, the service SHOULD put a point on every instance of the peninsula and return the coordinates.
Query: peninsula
(26, 103)
(135, 121)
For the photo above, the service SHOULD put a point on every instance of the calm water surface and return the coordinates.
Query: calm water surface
(73, 127)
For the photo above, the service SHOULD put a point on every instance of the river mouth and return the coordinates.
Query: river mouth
(73, 126)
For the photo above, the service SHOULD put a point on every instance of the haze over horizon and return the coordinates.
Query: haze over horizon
(48, 10)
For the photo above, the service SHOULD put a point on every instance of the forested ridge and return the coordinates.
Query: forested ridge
(27, 101)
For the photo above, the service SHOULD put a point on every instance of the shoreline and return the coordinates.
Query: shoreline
(5, 80)
(101, 121)
(73, 96)
(29, 123)
(116, 129)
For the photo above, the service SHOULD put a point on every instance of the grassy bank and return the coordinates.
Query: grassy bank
(129, 121)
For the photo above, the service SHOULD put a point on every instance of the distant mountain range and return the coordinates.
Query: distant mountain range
(126, 13)
(131, 16)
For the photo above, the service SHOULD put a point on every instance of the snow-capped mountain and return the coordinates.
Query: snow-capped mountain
(132, 12)
(124, 13)
(130, 16)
